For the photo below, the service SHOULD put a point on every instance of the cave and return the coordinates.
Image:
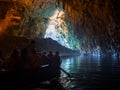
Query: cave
(87, 26)
(72, 27)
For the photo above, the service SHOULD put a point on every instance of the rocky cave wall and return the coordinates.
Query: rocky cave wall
(95, 22)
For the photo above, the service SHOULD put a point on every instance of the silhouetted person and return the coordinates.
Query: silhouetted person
(1, 61)
(12, 63)
(57, 58)
(35, 58)
(25, 59)
(31, 45)
(57, 63)
(50, 55)
(44, 58)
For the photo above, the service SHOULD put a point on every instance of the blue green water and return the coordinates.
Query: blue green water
(91, 73)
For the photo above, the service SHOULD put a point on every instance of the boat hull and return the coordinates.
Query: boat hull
(22, 78)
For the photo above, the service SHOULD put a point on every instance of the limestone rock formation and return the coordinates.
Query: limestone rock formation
(94, 23)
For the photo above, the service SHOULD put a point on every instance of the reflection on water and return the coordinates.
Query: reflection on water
(92, 72)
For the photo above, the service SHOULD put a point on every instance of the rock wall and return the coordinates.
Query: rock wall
(95, 22)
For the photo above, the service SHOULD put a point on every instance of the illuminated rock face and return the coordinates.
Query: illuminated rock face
(58, 30)
(95, 23)
(39, 20)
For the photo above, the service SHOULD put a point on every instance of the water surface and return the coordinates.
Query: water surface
(92, 72)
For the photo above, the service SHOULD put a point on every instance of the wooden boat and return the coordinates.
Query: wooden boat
(23, 78)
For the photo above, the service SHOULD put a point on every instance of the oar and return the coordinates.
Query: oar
(65, 72)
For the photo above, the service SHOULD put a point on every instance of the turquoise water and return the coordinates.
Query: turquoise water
(91, 73)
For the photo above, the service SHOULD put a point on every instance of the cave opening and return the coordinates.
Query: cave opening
(58, 30)
(55, 29)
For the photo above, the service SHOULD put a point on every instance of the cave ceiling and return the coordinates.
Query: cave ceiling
(95, 23)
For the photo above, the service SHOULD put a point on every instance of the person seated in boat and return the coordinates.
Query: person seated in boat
(50, 55)
(44, 59)
(31, 45)
(35, 59)
(25, 59)
(12, 61)
(1, 61)
(57, 63)
(57, 59)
